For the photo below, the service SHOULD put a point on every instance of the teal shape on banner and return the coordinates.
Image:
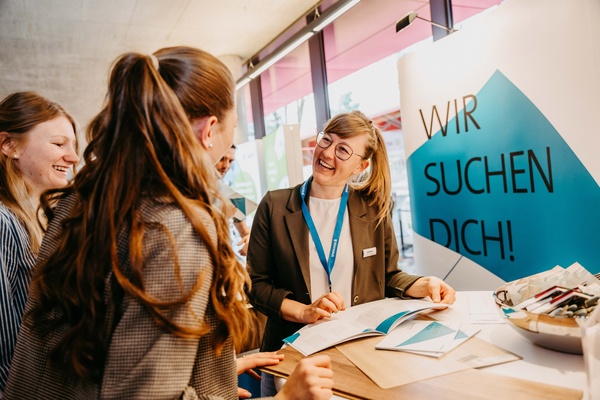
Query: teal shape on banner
(500, 186)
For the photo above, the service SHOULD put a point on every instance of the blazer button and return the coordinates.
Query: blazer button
(355, 300)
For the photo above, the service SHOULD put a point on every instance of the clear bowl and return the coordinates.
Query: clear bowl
(557, 333)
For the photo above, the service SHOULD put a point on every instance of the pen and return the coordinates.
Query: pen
(534, 299)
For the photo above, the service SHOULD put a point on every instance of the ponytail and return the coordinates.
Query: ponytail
(376, 184)
(140, 145)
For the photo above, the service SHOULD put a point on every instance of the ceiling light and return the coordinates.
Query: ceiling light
(324, 21)
(274, 57)
(242, 82)
(328, 16)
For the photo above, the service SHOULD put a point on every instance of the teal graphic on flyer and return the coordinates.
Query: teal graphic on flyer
(432, 331)
(496, 183)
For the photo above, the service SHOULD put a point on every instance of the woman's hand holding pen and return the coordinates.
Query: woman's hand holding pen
(323, 307)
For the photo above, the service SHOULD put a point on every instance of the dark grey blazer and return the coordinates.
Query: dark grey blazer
(278, 259)
(142, 361)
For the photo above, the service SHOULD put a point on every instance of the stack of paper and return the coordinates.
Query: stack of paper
(429, 338)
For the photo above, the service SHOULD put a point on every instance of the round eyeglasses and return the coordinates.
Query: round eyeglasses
(342, 150)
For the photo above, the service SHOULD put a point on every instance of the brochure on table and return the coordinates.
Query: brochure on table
(370, 319)
(429, 338)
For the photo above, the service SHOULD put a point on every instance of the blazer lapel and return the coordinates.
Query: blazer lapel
(298, 232)
(357, 211)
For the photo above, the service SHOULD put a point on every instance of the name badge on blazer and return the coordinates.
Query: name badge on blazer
(370, 252)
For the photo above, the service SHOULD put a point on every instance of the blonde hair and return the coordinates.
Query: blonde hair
(375, 183)
(20, 112)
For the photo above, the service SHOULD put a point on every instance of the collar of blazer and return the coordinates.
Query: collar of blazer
(357, 206)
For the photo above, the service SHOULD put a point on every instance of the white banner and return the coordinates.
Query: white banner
(502, 143)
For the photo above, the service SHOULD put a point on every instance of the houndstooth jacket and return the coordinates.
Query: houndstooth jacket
(143, 361)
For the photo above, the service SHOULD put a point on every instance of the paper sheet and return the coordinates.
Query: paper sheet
(483, 309)
(394, 368)
(429, 338)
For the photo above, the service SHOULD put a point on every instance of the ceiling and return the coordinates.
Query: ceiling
(63, 49)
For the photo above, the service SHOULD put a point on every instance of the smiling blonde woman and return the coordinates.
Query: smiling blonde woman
(38, 151)
(328, 243)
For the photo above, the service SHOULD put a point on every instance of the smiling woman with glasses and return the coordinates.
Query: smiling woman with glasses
(298, 274)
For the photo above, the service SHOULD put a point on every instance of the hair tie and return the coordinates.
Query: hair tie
(154, 61)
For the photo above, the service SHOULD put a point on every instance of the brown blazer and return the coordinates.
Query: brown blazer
(278, 259)
(142, 361)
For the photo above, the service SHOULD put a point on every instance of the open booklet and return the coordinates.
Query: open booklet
(369, 319)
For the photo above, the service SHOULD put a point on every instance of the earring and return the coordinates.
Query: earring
(15, 156)
(210, 145)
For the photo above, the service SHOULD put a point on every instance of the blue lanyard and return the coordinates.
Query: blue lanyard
(327, 264)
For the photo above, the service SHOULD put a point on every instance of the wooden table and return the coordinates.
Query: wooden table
(498, 382)
(351, 383)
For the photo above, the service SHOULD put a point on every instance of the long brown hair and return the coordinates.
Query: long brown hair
(375, 183)
(140, 145)
(20, 112)
(201, 82)
(205, 87)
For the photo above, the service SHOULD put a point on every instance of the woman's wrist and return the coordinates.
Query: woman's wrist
(292, 310)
